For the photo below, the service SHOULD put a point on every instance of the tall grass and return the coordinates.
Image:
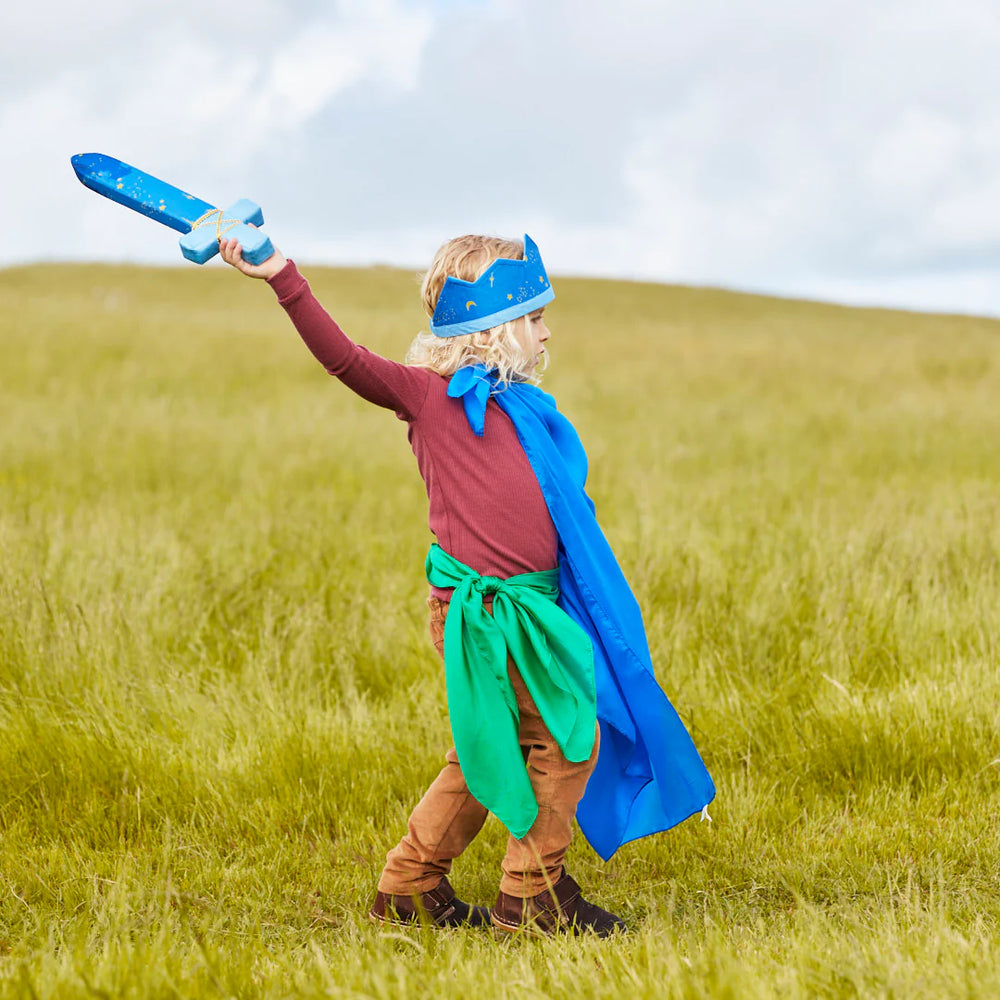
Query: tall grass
(218, 702)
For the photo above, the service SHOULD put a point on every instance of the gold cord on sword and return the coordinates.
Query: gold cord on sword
(205, 220)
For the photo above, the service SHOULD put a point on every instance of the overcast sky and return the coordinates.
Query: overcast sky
(840, 150)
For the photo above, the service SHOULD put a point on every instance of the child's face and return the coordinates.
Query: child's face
(534, 334)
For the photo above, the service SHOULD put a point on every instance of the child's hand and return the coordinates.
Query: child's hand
(232, 253)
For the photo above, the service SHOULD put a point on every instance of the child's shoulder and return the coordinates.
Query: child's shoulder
(439, 410)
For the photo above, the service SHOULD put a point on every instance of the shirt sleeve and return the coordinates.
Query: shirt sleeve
(398, 387)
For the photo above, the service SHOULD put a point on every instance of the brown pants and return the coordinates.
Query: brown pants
(447, 818)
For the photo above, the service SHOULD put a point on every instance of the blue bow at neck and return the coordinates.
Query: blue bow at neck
(474, 385)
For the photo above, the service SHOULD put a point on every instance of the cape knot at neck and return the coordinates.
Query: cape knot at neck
(489, 585)
(473, 384)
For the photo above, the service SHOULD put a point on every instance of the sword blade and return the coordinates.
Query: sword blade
(139, 191)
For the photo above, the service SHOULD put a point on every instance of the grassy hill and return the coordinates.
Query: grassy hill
(218, 702)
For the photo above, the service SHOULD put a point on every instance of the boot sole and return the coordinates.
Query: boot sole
(529, 927)
(416, 924)
(383, 922)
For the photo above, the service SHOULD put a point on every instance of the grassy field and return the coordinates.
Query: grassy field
(218, 702)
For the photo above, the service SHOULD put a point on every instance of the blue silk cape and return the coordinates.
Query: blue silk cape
(649, 776)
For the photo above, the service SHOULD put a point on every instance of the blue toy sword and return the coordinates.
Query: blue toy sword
(203, 225)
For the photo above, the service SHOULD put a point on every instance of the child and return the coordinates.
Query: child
(539, 631)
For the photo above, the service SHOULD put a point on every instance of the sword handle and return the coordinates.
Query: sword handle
(202, 243)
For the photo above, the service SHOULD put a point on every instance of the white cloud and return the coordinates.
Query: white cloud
(915, 155)
(380, 42)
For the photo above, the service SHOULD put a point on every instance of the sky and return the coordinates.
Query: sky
(847, 151)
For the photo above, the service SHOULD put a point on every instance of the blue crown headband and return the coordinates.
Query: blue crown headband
(506, 290)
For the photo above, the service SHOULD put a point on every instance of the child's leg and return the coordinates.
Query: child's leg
(445, 821)
(534, 864)
(535, 890)
(443, 824)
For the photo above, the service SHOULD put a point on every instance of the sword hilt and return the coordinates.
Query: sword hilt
(236, 222)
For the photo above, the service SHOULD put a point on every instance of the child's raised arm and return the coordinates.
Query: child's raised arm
(386, 383)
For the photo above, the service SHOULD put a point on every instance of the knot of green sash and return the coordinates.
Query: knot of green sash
(554, 657)
(486, 585)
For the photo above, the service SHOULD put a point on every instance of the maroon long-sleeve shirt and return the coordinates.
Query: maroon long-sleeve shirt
(486, 507)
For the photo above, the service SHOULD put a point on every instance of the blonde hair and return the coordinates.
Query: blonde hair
(500, 347)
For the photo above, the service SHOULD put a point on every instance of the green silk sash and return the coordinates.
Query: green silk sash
(554, 657)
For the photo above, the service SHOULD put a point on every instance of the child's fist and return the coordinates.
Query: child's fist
(232, 253)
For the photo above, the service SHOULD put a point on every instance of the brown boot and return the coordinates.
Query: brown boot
(439, 906)
(560, 909)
